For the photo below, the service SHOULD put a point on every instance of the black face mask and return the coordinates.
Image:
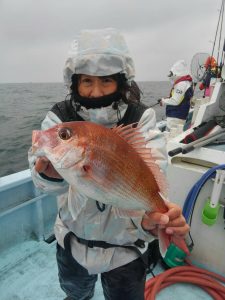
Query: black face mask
(97, 102)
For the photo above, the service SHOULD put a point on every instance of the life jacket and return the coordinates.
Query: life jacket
(180, 111)
(66, 113)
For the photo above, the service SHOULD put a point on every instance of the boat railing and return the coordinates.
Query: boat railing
(25, 212)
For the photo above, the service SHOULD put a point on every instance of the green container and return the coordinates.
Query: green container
(210, 214)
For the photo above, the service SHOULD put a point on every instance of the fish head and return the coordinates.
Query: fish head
(60, 144)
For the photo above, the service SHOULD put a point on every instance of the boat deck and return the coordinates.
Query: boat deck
(28, 268)
(28, 271)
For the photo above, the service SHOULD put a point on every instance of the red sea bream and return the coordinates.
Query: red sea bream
(112, 166)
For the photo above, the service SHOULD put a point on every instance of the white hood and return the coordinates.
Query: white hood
(179, 69)
(99, 53)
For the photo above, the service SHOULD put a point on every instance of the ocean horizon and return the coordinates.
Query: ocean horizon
(23, 106)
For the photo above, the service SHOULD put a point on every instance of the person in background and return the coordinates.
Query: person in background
(178, 103)
(99, 73)
(210, 75)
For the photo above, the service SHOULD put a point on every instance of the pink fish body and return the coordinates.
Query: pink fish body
(112, 166)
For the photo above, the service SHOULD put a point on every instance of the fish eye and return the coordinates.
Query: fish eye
(65, 133)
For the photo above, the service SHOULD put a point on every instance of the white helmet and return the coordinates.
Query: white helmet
(179, 69)
(99, 52)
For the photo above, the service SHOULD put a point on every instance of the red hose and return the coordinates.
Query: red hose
(204, 279)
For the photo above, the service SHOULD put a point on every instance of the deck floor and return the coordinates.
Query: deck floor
(29, 272)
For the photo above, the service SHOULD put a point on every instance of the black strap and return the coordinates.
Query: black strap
(105, 245)
(99, 207)
(101, 244)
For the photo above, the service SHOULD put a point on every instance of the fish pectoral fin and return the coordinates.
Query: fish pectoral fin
(76, 201)
(165, 240)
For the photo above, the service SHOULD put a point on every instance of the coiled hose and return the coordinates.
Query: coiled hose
(209, 281)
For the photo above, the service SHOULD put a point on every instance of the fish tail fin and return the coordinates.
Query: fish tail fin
(180, 243)
(165, 240)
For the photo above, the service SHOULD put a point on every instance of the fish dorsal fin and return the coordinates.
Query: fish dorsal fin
(134, 137)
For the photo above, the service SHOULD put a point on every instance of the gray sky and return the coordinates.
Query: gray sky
(35, 35)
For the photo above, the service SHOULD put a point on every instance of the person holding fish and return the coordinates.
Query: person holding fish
(103, 148)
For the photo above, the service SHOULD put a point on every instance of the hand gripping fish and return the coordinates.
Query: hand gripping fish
(112, 166)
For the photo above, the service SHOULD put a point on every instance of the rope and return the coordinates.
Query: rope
(208, 281)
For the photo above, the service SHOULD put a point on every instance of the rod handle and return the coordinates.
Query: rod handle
(187, 149)
(175, 151)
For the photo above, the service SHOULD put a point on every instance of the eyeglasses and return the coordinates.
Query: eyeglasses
(170, 74)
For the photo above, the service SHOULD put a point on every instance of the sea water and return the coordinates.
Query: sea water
(23, 106)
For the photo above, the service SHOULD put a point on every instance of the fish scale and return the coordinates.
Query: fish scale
(131, 183)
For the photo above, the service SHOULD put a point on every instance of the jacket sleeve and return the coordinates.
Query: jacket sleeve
(49, 185)
(132, 220)
(178, 94)
(155, 138)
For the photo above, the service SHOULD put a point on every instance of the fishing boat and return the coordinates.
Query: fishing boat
(196, 175)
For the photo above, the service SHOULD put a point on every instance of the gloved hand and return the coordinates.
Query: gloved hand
(160, 102)
(43, 165)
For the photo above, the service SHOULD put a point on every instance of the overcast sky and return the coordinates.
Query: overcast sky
(35, 35)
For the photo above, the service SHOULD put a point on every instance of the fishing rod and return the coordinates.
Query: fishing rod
(217, 29)
(155, 104)
(198, 143)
